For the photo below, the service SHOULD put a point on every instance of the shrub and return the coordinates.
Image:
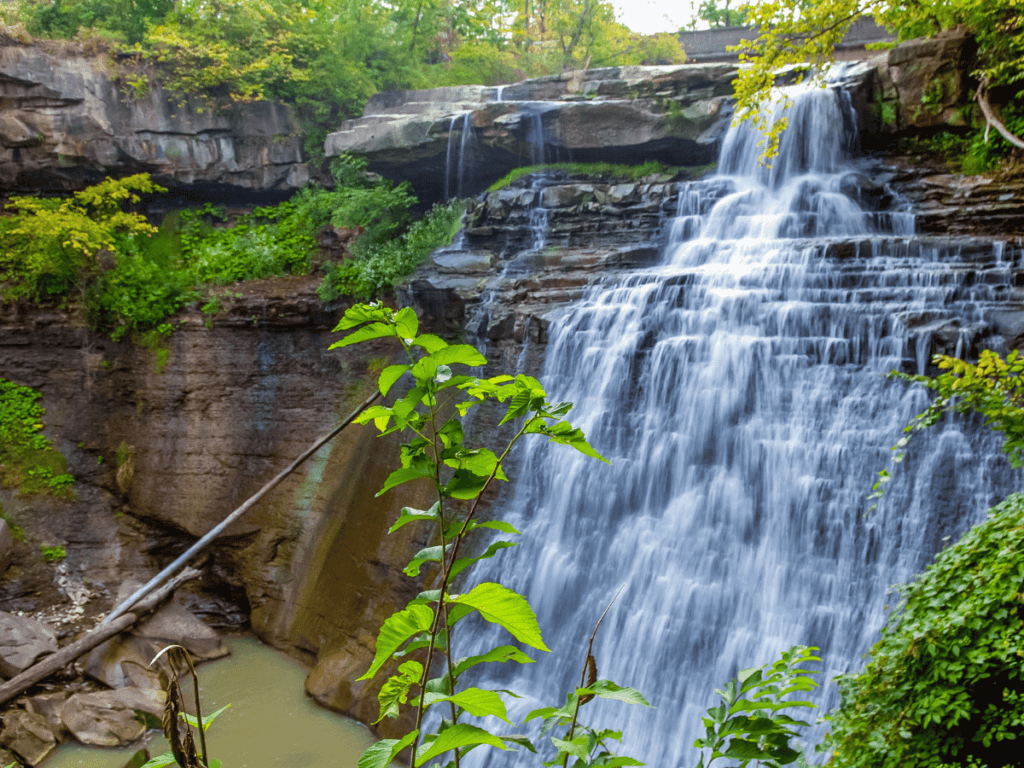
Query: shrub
(28, 461)
(945, 684)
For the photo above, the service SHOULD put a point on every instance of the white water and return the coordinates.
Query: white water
(739, 390)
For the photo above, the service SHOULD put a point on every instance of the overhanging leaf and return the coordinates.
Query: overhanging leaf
(410, 515)
(389, 376)
(500, 605)
(396, 630)
(403, 475)
(459, 735)
(501, 654)
(606, 689)
(381, 754)
(366, 333)
(476, 701)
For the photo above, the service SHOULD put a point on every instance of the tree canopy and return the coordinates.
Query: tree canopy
(795, 31)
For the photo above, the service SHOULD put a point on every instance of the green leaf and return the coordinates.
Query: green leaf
(396, 630)
(501, 654)
(465, 485)
(366, 333)
(578, 747)
(389, 376)
(464, 562)
(429, 342)
(476, 701)
(404, 475)
(207, 719)
(406, 324)
(160, 761)
(381, 754)
(496, 525)
(502, 606)
(622, 760)
(395, 690)
(459, 735)
(606, 689)
(410, 515)
(427, 555)
(522, 741)
(459, 353)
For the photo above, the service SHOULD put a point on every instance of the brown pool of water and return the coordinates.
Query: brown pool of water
(271, 721)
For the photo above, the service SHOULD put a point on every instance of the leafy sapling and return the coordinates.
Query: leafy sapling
(749, 716)
(420, 639)
(590, 747)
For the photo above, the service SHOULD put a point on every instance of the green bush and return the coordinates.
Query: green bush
(945, 684)
(28, 463)
(378, 266)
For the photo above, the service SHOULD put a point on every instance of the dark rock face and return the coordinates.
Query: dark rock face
(229, 410)
(626, 115)
(67, 123)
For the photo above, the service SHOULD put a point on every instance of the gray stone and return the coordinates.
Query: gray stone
(102, 719)
(23, 641)
(123, 661)
(27, 736)
(69, 121)
(49, 706)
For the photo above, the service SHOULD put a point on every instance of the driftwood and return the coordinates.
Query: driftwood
(223, 524)
(90, 640)
(992, 120)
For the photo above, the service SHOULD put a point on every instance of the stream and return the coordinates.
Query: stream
(271, 721)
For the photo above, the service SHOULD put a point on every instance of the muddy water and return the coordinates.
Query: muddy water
(271, 721)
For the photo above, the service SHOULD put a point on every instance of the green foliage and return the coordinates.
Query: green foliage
(792, 32)
(424, 633)
(54, 246)
(970, 153)
(380, 264)
(52, 554)
(64, 18)
(722, 17)
(28, 462)
(944, 684)
(749, 716)
(605, 170)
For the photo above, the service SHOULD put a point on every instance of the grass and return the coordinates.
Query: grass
(610, 170)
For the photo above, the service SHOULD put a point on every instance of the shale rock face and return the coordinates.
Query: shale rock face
(232, 406)
(66, 123)
(627, 115)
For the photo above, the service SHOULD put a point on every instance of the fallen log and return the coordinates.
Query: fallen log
(196, 548)
(91, 639)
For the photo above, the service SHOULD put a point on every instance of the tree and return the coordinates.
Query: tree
(794, 32)
(721, 17)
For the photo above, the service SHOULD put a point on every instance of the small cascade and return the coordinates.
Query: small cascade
(459, 161)
(739, 389)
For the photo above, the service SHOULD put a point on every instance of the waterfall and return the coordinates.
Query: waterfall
(458, 161)
(739, 390)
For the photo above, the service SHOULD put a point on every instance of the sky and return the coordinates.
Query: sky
(650, 16)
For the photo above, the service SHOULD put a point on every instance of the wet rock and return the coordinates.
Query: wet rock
(27, 736)
(23, 641)
(124, 660)
(102, 719)
(6, 547)
(49, 706)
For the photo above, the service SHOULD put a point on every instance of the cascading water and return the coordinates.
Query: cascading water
(739, 390)
(458, 161)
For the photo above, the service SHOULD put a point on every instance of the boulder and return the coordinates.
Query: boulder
(23, 641)
(49, 706)
(102, 719)
(123, 661)
(28, 736)
(932, 79)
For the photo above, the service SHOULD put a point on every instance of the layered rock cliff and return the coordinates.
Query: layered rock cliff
(68, 119)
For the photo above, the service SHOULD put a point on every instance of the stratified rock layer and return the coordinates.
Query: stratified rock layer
(457, 141)
(67, 123)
